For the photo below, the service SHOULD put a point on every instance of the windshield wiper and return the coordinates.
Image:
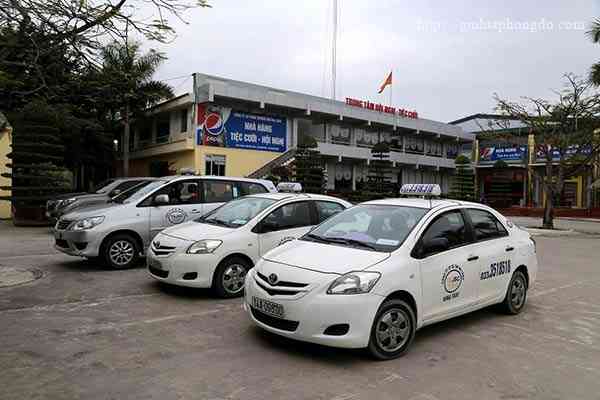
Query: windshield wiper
(317, 237)
(215, 221)
(348, 241)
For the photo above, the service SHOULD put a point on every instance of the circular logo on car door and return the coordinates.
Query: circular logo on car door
(452, 278)
(176, 215)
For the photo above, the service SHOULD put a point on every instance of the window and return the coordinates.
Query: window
(247, 188)
(123, 187)
(214, 165)
(237, 212)
(183, 118)
(326, 209)
(217, 191)
(450, 226)
(293, 215)
(383, 228)
(163, 128)
(485, 225)
(182, 192)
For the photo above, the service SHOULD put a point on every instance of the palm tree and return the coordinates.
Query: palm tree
(594, 34)
(127, 78)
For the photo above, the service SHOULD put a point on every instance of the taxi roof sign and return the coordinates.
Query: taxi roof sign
(289, 187)
(420, 189)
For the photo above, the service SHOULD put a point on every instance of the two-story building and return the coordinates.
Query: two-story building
(235, 128)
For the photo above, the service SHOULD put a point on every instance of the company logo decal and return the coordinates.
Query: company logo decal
(452, 280)
(496, 269)
(176, 215)
(273, 279)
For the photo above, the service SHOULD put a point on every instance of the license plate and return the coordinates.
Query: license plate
(268, 307)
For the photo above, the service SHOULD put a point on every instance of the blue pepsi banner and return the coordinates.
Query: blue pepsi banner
(507, 154)
(224, 127)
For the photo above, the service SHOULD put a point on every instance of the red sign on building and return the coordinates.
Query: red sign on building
(381, 108)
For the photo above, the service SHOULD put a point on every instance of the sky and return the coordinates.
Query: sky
(448, 57)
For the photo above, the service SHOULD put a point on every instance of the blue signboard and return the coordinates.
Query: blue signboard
(224, 127)
(555, 153)
(508, 154)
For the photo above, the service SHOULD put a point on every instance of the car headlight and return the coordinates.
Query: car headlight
(66, 202)
(354, 283)
(204, 246)
(87, 223)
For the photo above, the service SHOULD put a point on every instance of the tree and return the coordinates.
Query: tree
(565, 132)
(594, 35)
(308, 165)
(127, 75)
(378, 181)
(463, 186)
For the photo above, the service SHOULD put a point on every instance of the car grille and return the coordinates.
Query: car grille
(273, 322)
(158, 272)
(276, 292)
(162, 250)
(282, 283)
(63, 224)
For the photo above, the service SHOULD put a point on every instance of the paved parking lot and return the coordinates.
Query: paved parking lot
(81, 331)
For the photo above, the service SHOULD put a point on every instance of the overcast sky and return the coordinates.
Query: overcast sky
(448, 57)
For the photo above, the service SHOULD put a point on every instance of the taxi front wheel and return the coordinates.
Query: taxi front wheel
(228, 280)
(516, 294)
(120, 251)
(393, 330)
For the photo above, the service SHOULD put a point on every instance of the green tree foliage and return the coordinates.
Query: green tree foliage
(463, 182)
(378, 183)
(308, 165)
(594, 35)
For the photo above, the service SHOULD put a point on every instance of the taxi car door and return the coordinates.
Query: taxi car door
(496, 253)
(449, 278)
(184, 204)
(283, 224)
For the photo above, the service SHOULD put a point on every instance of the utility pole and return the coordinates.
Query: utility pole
(334, 49)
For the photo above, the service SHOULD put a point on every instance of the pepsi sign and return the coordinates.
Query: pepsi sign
(224, 127)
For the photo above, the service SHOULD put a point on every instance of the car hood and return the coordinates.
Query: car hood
(325, 258)
(194, 231)
(91, 211)
(68, 195)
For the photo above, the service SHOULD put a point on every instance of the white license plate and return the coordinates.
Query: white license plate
(268, 307)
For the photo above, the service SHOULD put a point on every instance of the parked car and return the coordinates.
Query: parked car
(219, 248)
(66, 203)
(120, 231)
(372, 275)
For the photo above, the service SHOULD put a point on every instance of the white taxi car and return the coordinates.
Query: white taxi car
(372, 275)
(219, 248)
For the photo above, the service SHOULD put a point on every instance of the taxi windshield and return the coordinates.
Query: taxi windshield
(236, 213)
(369, 226)
(134, 195)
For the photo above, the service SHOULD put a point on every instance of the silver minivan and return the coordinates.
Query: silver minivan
(119, 232)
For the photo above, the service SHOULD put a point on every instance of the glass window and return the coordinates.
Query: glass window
(237, 212)
(450, 226)
(183, 118)
(326, 209)
(247, 188)
(293, 215)
(101, 187)
(123, 187)
(214, 165)
(182, 192)
(485, 225)
(163, 128)
(377, 227)
(217, 191)
(135, 195)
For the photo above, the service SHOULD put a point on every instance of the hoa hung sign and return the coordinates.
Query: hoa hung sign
(224, 127)
(507, 154)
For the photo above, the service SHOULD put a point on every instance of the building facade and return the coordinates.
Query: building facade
(505, 158)
(5, 148)
(235, 128)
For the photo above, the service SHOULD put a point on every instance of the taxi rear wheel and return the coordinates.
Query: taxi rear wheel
(393, 330)
(120, 251)
(516, 294)
(228, 280)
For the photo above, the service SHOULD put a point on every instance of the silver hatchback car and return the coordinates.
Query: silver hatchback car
(119, 232)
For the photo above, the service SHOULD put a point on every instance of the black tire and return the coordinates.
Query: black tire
(228, 279)
(516, 294)
(408, 325)
(128, 248)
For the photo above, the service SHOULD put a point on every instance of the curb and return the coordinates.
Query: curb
(549, 232)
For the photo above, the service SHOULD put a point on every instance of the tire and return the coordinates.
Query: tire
(516, 294)
(120, 251)
(386, 348)
(228, 280)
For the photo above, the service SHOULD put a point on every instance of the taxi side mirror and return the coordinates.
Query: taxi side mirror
(161, 200)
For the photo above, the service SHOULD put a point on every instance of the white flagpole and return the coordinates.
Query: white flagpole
(391, 86)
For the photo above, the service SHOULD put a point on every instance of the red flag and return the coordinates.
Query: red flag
(388, 81)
